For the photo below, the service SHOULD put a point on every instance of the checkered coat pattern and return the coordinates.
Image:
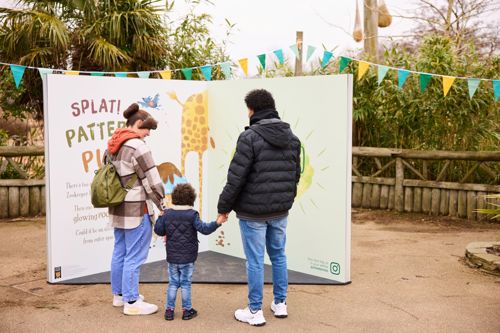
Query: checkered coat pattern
(135, 156)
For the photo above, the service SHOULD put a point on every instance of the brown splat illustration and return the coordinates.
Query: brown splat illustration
(194, 131)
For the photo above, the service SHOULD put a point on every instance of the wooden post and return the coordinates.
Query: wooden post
(4, 202)
(370, 10)
(298, 60)
(398, 190)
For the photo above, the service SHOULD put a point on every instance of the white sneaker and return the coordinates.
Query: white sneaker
(279, 310)
(246, 316)
(118, 300)
(139, 308)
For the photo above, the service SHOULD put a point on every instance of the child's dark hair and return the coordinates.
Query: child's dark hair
(183, 194)
(259, 99)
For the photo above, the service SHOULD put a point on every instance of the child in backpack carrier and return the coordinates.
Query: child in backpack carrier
(180, 224)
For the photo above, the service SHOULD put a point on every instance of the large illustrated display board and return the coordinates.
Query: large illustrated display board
(318, 110)
(198, 125)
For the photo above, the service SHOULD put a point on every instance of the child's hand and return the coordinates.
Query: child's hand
(222, 218)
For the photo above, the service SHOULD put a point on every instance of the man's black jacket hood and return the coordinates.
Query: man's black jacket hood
(274, 131)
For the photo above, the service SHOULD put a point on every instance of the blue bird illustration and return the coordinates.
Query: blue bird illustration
(150, 102)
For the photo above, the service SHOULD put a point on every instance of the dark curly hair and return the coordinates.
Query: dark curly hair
(259, 99)
(183, 194)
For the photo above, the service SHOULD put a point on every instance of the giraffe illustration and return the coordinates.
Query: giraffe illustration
(194, 131)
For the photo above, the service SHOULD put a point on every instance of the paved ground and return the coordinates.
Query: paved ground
(407, 276)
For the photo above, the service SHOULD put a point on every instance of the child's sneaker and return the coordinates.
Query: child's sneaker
(247, 316)
(169, 314)
(279, 309)
(189, 314)
(139, 308)
(118, 300)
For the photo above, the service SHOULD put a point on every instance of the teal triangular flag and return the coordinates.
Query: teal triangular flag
(382, 71)
(17, 73)
(310, 51)
(344, 61)
(188, 73)
(97, 74)
(207, 72)
(279, 55)
(295, 50)
(473, 84)
(226, 69)
(402, 76)
(262, 60)
(121, 74)
(496, 88)
(143, 75)
(424, 81)
(327, 55)
(43, 71)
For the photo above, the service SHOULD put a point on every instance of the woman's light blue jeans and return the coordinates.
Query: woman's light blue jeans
(130, 252)
(256, 237)
(179, 276)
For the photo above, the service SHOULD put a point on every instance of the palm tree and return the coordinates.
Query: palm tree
(97, 35)
(111, 34)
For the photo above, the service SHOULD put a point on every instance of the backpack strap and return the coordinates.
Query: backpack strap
(131, 182)
(109, 158)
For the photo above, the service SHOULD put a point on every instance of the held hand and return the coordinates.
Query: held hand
(222, 218)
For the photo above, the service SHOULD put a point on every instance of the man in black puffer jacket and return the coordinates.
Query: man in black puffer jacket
(261, 187)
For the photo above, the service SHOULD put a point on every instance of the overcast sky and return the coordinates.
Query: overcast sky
(266, 25)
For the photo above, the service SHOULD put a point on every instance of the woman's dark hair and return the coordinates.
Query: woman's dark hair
(183, 194)
(133, 114)
(259, 99)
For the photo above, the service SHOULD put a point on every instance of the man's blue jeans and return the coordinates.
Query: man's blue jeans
(130, 252)
(256, 237)
(179, 276)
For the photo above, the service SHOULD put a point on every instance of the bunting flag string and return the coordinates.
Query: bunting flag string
(363, 67)
(262, 60)
(310, 52)
(226, 69)
(295, 50)
(166, 75)
(279, 55)
(343, 62)
(143, 75)
(402, 76)
(244, 65)
(327, 55)
(382, 71)
(472, 85)
(496, 89)
(187, 72)
(447, 81)
(207, 72)
(424, 81)
(17, 73)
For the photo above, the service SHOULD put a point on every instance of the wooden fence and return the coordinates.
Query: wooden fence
(20, 197)
(383, 178)
(410, 187)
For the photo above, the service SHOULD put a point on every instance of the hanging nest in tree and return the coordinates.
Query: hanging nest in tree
(384, 17)
(357, 34)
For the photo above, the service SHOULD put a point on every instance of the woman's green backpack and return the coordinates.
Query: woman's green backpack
(106, 189)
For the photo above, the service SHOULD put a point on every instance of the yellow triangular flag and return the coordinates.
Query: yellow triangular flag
(166, 75)
(244, 65)
(447, 83)
(362, 68)
(71, 73)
